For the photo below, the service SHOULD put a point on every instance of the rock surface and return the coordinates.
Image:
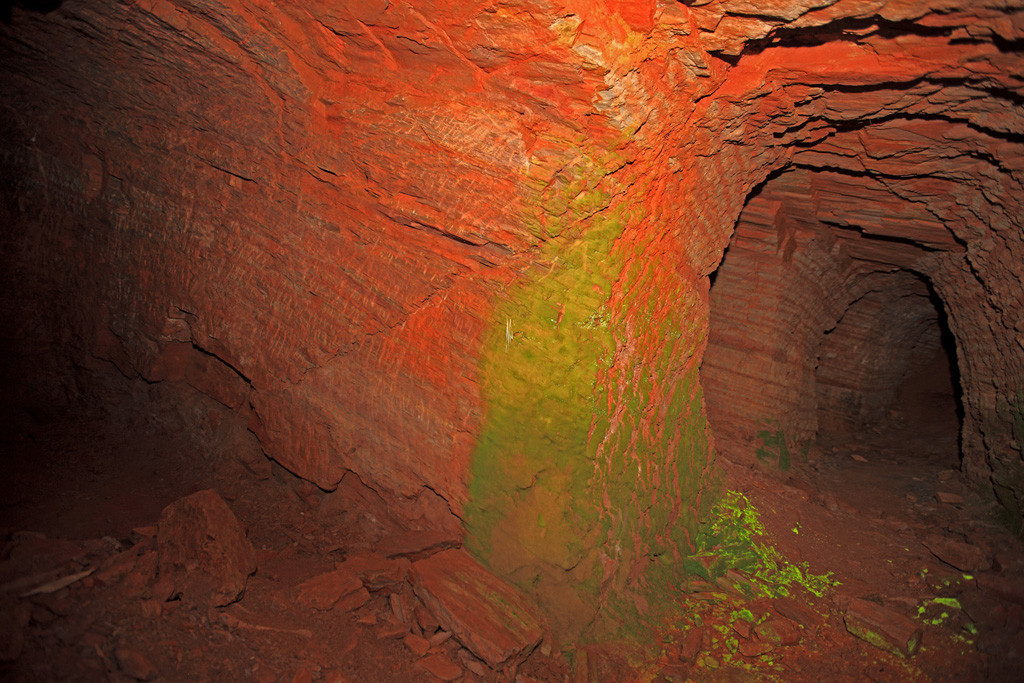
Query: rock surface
(87, 629)
(963, 556)
(883, 627)
(134, 664)
(441, 667)
(203, 550)
(376, 571)
(436, 246)
(13, 620)
(490, 617)
(322, 592)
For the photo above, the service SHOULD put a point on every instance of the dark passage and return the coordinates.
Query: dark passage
(832, 340)
(885, 377)
(833, 389)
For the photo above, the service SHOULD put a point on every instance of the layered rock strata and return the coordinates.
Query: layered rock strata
(462, 250)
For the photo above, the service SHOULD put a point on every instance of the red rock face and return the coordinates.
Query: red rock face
(312, 212)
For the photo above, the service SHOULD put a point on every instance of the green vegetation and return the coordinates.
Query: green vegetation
(948, 612)
(734, 538)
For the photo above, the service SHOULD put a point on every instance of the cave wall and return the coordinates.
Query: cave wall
(462, 250)
(837, 269)
(782, 283)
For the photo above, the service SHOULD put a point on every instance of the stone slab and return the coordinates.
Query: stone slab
(488, 616)
(957, 554)
(883, 627)
(798, 612)
(441, 667)
(322, 592)
(778, 631)
(376, 571)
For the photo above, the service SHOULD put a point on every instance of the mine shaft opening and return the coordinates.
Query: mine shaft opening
(828, 341)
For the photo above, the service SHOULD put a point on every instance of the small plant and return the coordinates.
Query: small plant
(736, 539)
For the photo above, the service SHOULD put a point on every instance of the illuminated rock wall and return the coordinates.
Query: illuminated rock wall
(461, 249)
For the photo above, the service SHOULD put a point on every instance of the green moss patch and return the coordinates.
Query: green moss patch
(591, 462)
(773, 449)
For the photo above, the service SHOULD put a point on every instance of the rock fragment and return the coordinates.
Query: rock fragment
(418, 645)
(754, 648)
(882, 627)
(353, 601)
(400, 608)
(442, 667)
(957, 554)
(692, 644)
(488, 616)
(324, 591)
(134, 664)
(417, 544)
(376, 571)
(798, 612)
(203, 548)
(438, 638)
(778, 631)
(472, 664)
(947, 498)
(743, 627)
(425, 619)
(391, 631)
(116, 567)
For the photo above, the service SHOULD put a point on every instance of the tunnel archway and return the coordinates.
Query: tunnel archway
(827, 337)
(886, 375)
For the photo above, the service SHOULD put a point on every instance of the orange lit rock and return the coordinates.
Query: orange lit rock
(317, 213)
(442, 667)
(203, 551)
(490, 617)
(322, 592)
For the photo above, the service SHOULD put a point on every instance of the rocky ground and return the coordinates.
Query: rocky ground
(130, 553)
(170, 566)
(924, 569)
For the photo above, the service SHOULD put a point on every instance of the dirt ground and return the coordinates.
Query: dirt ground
(885, 509)
(914, 550)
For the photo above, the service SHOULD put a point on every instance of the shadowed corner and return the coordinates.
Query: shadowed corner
(41, 6)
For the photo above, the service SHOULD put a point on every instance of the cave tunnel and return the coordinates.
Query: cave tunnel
(896, 378)
(838, 331)
(538, 341)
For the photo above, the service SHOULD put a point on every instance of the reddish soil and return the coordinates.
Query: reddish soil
(84, 494)
(888, 513)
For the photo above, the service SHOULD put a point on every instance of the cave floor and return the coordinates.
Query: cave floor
(84, 495)
(891, 519)
(888, 513)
